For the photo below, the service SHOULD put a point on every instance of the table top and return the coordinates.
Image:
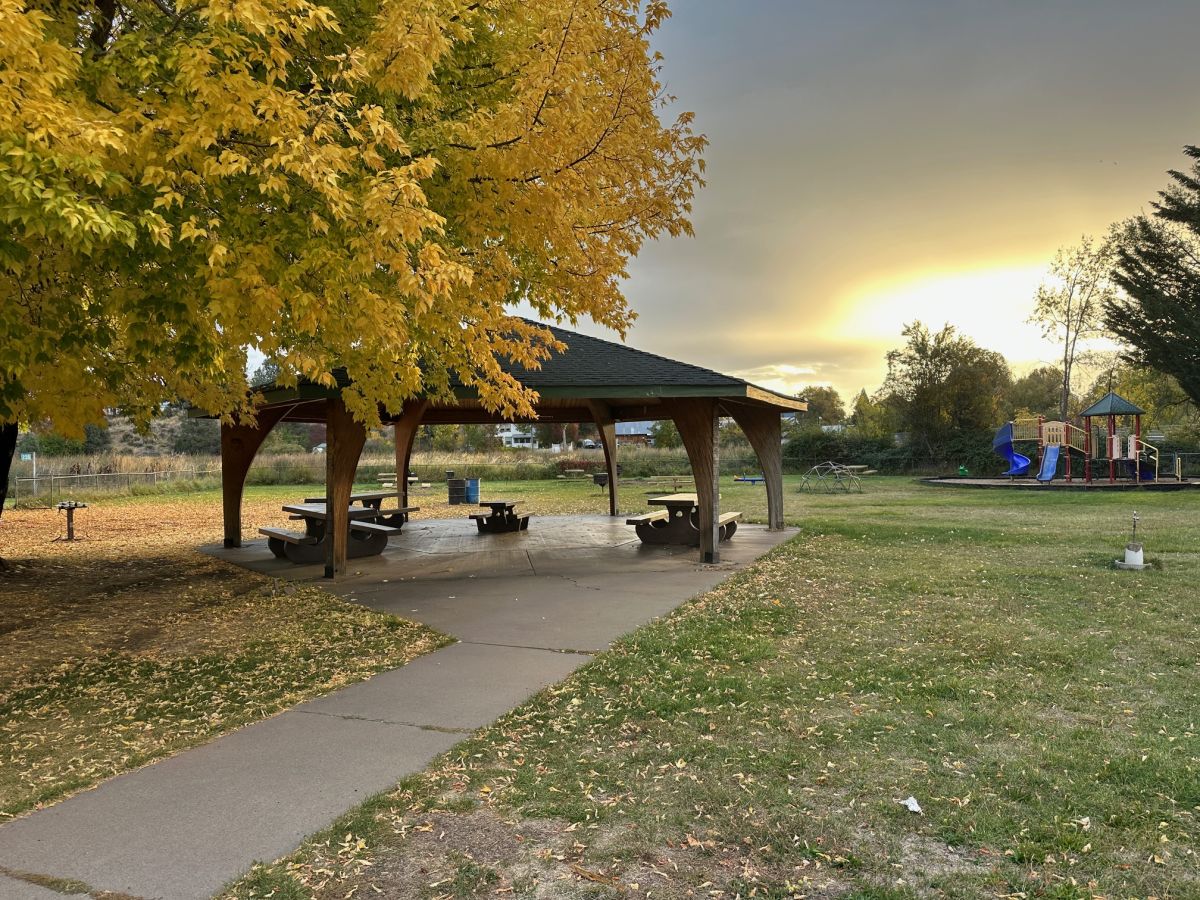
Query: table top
(318, 511)
(497, 504)
(373, 495)
(674, 500)
(364, 497)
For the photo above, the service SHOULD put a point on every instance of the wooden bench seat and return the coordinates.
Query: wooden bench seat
(660, 516)
(288, 537)
(278, 540)
(727, 524)
(374, 528)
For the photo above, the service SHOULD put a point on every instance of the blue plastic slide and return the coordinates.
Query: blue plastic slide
(1049, 463)
(1002, 443)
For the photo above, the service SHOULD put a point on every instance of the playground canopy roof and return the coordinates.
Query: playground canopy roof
(1112, 404)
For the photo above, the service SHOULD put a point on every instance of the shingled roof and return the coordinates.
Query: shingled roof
(593, 361)
(1112, 404)
(631, 383)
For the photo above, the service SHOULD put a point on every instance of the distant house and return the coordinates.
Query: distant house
(518, 436)
(633, 434)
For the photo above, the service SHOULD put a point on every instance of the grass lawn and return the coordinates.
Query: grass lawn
(971, 649)
(130, 645)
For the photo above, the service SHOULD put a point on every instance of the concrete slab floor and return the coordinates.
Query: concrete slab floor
(527, 607)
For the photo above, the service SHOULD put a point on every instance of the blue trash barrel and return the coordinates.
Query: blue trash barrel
(472, 492)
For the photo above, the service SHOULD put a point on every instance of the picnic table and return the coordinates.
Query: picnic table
(374, 499)
(679, 522)
(502, 516)
(388, 479)
(369, 527)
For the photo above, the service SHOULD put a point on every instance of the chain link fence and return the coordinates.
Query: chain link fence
(52, 488)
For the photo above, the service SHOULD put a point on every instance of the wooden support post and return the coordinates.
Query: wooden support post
(239, 444)
(344, 443)
(607, 428)
(406, 432)
(764, 430)
(696, 419)
(1112, 449)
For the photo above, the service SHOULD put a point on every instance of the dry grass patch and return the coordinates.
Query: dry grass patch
(130, 644)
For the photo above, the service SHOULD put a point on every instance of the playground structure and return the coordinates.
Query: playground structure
(1108, 440)
(832, 478)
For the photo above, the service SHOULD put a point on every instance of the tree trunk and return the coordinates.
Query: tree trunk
(8, 447)
(1065, 400)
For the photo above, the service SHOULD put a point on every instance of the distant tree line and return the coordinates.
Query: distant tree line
(944, 397)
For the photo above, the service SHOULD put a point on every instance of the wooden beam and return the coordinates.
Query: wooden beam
(697, 422)
(764, 431)
(344, 437)
(607, 428)
(774, 398)
(406, 428)
(239, 445)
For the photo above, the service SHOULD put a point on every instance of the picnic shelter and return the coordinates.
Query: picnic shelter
(592, 380)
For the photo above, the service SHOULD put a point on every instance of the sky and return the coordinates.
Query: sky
(875, 162)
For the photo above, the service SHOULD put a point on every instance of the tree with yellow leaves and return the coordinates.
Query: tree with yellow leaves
(371, 184)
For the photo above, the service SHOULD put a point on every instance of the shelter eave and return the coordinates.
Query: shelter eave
(618, 394)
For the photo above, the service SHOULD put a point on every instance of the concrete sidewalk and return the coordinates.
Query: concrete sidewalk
(528, 612)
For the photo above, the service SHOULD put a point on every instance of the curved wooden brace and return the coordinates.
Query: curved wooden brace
(344, 438)
(239, 445)
(696, 419)
(764, 430)
(607, 428)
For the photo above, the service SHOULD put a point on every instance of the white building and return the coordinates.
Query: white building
(519, 436)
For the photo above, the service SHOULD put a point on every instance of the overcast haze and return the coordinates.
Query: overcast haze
(872, 163)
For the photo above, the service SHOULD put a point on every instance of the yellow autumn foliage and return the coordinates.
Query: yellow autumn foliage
(367, 184)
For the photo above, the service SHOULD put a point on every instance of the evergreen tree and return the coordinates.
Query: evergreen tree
(198, 437)
(872, 418)
(1158, 267)
(96, 439)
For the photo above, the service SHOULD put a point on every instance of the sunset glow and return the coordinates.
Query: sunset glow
(876, 163)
